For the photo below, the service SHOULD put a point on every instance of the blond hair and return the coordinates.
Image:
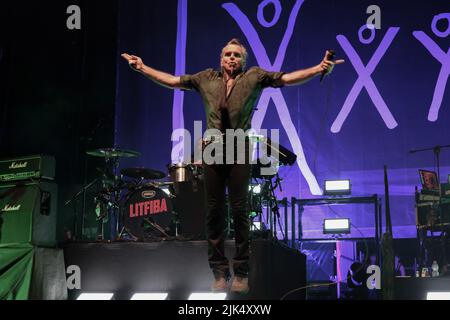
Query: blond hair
(236, 42)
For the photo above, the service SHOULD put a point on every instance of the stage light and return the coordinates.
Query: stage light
(207, 296)
(336, 226)
(150, 296)
(95, 296)
(337, 187)
(255, 188)
(256, 226)
(438, 296)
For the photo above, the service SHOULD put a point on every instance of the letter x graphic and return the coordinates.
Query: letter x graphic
(275, 94)
(365, 81)
(444, 59)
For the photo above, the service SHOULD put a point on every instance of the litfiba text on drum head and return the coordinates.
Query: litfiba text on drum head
(147, 204)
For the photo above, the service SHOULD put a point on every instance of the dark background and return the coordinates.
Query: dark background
(58, 88)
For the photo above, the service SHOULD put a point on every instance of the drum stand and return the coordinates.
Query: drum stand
(157, 227)
(78, 223)
(110, 199)
(120, 235)
(154, 225)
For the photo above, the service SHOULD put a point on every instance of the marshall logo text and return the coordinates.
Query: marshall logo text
(9, 208)
(18, 165)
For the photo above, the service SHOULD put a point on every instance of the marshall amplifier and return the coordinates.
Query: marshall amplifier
(28, 213)
(25, 168)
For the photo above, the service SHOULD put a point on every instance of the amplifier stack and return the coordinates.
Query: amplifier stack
(28, 201)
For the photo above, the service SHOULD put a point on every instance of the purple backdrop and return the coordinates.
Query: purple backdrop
(388, 98)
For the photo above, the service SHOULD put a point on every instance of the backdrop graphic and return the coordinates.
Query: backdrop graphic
(389, 97)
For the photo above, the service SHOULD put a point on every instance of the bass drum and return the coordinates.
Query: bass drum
(147, 214)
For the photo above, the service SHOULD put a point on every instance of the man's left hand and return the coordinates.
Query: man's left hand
(328, 65)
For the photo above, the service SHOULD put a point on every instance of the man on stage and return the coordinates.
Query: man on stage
(229, 96)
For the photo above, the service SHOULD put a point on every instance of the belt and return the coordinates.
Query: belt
(216, 138)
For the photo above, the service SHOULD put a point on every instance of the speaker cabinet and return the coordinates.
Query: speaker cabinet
(28, 213)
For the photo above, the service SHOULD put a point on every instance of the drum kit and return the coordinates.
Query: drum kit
(134, 203)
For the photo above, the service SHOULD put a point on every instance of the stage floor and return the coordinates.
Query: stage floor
(181, 268)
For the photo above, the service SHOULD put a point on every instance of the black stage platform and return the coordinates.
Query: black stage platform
(417, 288)
(180, 268)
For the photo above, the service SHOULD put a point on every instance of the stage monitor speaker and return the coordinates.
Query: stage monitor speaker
(28, 213)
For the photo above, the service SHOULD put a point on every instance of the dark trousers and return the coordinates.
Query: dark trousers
(236, 177)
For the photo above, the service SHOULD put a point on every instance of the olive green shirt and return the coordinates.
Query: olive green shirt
(235, 110)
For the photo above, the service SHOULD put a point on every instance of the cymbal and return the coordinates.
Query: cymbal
(142, 173)
(113, 153)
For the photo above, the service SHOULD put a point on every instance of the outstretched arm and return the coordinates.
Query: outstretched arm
(302, 76)
(161, 78)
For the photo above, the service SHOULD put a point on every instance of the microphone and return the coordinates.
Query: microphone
(233, 70)
(132, 65)
(330, 56)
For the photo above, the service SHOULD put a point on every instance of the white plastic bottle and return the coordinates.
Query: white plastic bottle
(435, 269)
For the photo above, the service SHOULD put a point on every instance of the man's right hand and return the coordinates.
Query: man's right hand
(161, 78)
(134, 62)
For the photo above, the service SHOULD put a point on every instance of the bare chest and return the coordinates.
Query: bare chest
(230, 84)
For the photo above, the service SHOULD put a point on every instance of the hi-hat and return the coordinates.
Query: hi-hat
(113, 153)
(142, 173)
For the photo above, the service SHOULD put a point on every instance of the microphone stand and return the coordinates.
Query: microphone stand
(274, 208)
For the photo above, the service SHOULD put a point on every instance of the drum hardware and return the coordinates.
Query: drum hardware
(113, 153)
(142, 173)
(122, 232)
(83, 190)
(181, 172)
(115, 196)
(108, 199)
(156, 227)
(185, 173)
(166, 187)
